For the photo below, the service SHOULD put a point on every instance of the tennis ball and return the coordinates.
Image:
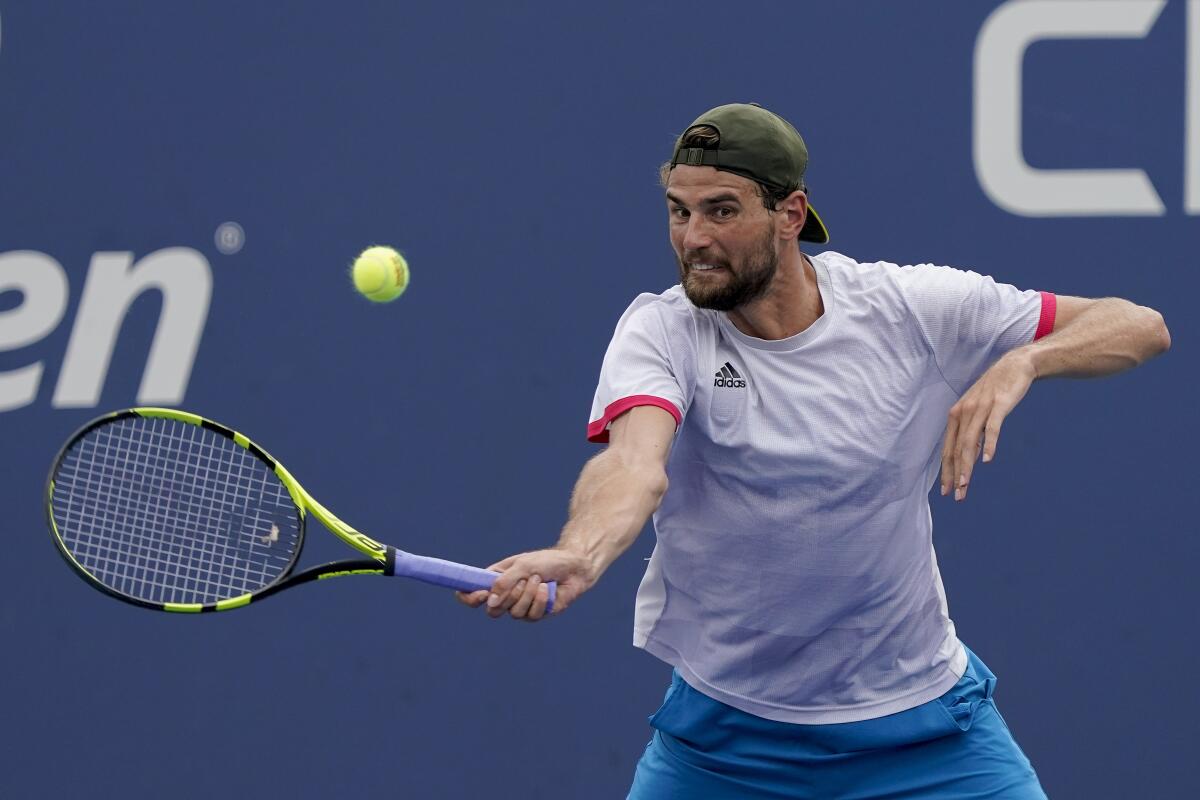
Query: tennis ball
(380, 274)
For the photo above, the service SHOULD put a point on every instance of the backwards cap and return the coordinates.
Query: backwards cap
(756, 144)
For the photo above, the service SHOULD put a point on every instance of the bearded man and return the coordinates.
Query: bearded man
(784, 418)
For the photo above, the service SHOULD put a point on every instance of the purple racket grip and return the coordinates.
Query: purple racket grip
(451, 574)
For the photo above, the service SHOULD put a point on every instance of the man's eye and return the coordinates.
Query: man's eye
(723, 212)
(681, 213)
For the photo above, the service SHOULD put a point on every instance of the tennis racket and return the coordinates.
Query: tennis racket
(171, 511)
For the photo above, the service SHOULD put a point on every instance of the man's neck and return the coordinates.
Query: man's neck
(791, 304)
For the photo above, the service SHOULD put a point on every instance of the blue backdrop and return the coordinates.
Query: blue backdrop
(510, 150)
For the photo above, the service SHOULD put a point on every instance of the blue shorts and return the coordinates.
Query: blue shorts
(957, 746)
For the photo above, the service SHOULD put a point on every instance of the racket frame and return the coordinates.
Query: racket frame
(381, 558)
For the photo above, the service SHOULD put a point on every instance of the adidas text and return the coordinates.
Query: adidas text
(728, 377)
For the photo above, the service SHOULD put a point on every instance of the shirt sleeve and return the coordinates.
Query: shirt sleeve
(644, 366)
(970, 320)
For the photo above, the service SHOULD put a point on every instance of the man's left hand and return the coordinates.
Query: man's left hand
(978, 415)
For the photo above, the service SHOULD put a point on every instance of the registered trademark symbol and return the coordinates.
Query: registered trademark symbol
(230, 238)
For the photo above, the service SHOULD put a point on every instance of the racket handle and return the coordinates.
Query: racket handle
(450, 574)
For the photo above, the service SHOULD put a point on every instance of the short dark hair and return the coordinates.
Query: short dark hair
(707, 137)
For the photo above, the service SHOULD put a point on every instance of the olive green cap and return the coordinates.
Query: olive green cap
(756, 144)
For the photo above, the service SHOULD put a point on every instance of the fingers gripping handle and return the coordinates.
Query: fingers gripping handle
(449, 574)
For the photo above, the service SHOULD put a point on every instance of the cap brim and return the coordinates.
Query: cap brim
(814, 229)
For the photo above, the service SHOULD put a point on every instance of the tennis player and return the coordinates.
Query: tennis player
(800, 408)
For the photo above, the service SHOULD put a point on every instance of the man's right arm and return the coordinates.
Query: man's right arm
(616, 493)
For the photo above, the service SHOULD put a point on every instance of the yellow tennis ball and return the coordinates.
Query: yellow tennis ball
(380, 274)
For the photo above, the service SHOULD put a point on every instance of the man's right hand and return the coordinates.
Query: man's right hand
(519, 591)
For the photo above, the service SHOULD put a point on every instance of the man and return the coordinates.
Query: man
(800, 408)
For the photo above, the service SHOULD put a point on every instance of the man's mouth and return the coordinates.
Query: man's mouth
(704, 267)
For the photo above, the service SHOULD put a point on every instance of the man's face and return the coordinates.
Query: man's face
(724, 239)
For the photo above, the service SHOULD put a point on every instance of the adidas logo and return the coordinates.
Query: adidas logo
(728, 377)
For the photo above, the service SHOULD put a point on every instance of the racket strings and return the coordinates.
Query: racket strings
(168, 512)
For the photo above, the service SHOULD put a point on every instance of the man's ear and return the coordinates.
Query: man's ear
(793, 211)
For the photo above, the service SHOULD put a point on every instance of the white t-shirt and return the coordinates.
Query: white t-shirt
(794, 575)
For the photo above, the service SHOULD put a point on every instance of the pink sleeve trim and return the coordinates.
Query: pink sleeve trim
(1046, 321)
(597, 431)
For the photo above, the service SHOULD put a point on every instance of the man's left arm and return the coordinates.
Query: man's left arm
(1091, 338)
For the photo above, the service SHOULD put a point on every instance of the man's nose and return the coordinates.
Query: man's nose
(697, 235)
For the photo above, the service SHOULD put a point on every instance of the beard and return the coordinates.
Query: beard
(744, 282)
